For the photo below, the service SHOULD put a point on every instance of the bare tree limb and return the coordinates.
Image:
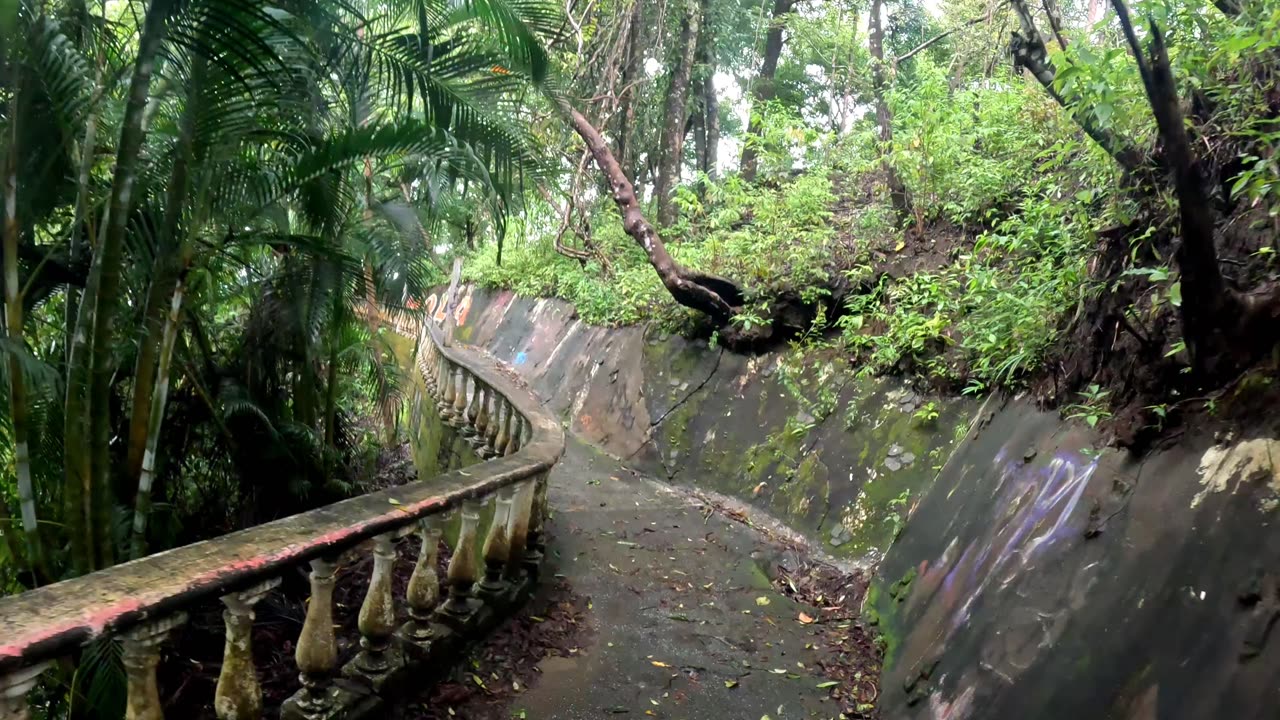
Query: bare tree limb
(1028, 49)
(709, 294)
(966, 24)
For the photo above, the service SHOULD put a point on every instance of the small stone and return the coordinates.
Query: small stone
(674, 382)
(907, 459)
(895, 450)
(892, 464)
(1029, 455)
(840, 535)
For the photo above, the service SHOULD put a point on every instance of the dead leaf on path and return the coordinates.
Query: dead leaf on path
(659, 663)
(805, 619)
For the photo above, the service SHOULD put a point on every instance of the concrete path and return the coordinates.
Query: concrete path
(686, 624)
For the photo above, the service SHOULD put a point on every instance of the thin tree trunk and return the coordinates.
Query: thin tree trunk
(708, 105)
(763, 89)
(164, 279)
(87, 429)
(331, 382)
(1054, 15)
(1029, 52)
(631, 71)
(1207, 304)
(146, 478)
(714, 296)
(78, 229)
(884, 117)
(14, 324)
(671, 157)
(711, 110)
(699, 137)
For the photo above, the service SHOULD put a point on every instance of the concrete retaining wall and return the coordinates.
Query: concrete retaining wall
(1022, 574)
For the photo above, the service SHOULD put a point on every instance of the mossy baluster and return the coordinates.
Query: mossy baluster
(238, 696)
(141, 655)
(317, 651)
(497, 547)
(424, 585)
(461, 576)
(377, 657)
(13, 691)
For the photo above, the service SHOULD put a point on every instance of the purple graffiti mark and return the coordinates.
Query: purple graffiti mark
(521, 357)
(1033, 507)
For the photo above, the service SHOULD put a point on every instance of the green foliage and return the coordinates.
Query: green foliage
(1092, 406)
(769, 239)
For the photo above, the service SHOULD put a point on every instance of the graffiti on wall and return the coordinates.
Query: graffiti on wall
(437, 307)
(1035, 509)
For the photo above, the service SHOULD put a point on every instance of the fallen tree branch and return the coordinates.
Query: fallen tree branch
(714, 296)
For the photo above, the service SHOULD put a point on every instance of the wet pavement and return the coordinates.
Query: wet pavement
(685, 623)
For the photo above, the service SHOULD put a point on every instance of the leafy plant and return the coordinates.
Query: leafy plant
(1092, 408)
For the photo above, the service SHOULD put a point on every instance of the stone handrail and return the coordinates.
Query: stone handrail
(141, 601)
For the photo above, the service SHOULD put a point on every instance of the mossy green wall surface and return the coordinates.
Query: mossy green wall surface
(839, 458)
(434, 445)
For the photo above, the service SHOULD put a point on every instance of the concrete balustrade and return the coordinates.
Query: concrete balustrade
(489, 571)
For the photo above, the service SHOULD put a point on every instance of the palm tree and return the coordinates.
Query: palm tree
(285, 159)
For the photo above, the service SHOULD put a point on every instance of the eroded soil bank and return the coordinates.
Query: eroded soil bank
(1022, 569)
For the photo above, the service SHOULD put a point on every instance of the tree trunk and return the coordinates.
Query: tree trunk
(1054, 15)
(164, 284)
(763, 90)
(14, 325)
(631, 76)
(699, 137)
(711, 119)
(155, 420)
(78, 229)
(708, 105)
(87, 423)
(1029, 52)
(671, 157)
(1208, 306)
(714, 296)
(331, 382)
(884, 117)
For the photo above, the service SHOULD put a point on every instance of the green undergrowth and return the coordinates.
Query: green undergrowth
(768, 239)
(972, 288)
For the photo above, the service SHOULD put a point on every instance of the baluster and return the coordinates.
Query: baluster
(446, 395)
(377, 658)
(536, 542)
(504, 435)
(459, 417)
(460, 607)
(496, 425)
(473, 409)
(317, 651)
(497, 548)
(14, 688)
(426, 364)
(516, 432)
(141, 656)
(481, 434)
(424, 586)
(238, 695)
(521, 510)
